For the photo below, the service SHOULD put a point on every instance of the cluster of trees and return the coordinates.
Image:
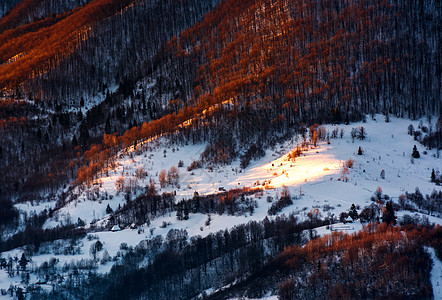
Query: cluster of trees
(7, 5)
(282, 202)
(269, 255)
(39, 46)
(341, 266)
(171, 178)
(150, 204)
(8, 213)
(254, 152)
(436, 177)
(28, 11)
(232, 202)
(120, 49)
(430, 203)
(51, 271)
(183, 268)
(370, 213)
(143, 208)
(359, 133)
(35, 236)
(429, 136)
(433, 139)
(35, 150)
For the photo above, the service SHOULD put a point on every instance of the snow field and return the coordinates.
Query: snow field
(314, 178)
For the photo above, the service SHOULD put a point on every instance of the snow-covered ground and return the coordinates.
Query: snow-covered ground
(315, 174)
(315, 178)
(436, 274)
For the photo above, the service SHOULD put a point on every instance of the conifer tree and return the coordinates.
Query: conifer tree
(415, 153)
(388, 215)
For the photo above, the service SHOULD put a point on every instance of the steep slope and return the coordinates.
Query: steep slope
(283, 64)
(226, 101)
(37, 49)
(318, 172)
(101, 34)
(121, 49)
(106, 56)
(27, 11)
(6, 5)
(319, 60)
(233, 234)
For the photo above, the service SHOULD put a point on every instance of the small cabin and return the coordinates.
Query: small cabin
(41, 281)
(115, 228)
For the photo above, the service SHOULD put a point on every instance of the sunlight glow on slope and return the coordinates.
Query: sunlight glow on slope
(310, 166)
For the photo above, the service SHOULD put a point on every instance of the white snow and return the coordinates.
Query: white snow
(313, 177)
(436, 274)
(314, 174)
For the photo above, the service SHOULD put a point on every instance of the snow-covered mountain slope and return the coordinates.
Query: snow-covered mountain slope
(315, 180)
(317, 173)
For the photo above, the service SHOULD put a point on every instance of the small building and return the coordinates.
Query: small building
(115, 228)
(41, 281)
(348, 220)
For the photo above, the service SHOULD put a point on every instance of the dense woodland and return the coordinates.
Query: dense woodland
(106, 55)
(274, 65)
(7, 5)
(29, 11)
(55, 133)
(264, 80)
(379, 262)
(81, 80)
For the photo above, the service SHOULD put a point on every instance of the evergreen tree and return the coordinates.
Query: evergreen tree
(353, 212)
(81, 222)
(388, 215)
(23, 261)
(84, 134)
(186, 211)
(433, 176)
(179, 212)
(109, 209)
(415, 153)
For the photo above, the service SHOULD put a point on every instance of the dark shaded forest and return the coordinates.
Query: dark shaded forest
(272, 255)
(41, 138)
